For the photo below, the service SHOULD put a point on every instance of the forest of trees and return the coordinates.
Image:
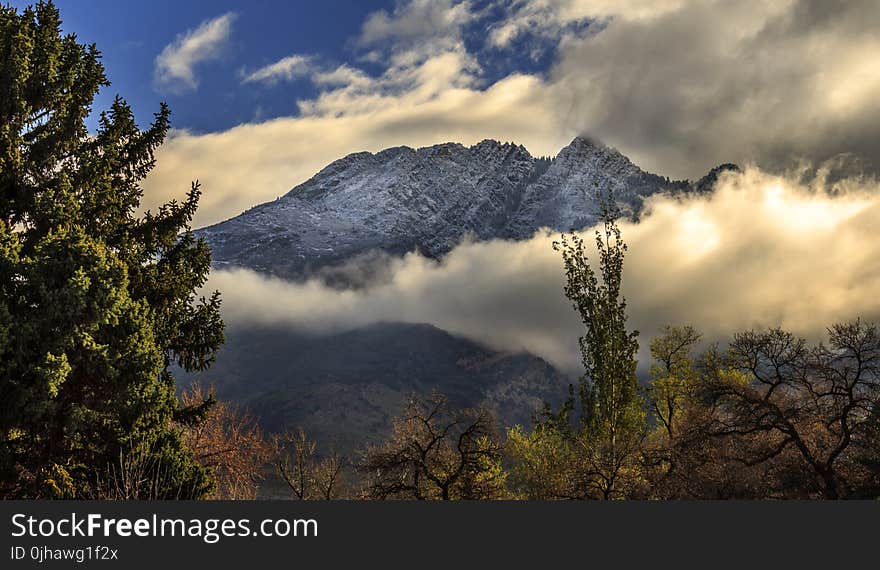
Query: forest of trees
(99, 305)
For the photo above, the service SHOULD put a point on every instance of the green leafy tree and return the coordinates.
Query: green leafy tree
(679, 457)
(97, 303)
(544, 463)
(674, 378)
(605, 418)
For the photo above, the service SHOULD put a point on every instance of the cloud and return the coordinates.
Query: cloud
(762, 250)
(707, 81)
(285, 69)
(679, 86)
(555, 19)
(433, 102)
(174, 67)
(416, 20)
(342, 76)
(405, 81)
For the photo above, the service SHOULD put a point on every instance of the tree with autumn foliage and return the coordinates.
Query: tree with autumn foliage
(437, 452)
(229, 442)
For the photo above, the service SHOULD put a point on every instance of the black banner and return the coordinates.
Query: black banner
(413, 534)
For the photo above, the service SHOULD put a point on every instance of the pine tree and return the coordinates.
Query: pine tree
(97, 303)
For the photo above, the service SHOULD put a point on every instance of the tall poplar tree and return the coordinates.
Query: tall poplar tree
(97, 302)
(608, 410)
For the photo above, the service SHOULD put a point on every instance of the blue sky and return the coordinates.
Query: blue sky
(265, 93)
(132, 34)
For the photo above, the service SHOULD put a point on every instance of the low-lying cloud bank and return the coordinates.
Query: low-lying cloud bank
(762, 250)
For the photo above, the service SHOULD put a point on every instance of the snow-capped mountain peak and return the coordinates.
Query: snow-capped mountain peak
(401, 199)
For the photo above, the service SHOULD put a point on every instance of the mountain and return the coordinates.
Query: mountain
(345, 388)
(403, 199)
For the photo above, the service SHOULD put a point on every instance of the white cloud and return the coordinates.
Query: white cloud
(342, 76)
(408, 82)
(285, 69)
(761, 251)
(417, 20)
(551, 18)
(175, 65)
(679, 86)
(435, 101)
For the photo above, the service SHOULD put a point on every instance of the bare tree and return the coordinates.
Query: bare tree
(435, 452)
(295, 460)
(329, 478)
(307, 475)
(808, 409)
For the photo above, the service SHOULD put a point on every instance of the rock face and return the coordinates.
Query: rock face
(401, 199)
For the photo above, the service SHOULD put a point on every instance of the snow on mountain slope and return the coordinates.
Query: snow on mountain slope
(429, 199)
(567, 195)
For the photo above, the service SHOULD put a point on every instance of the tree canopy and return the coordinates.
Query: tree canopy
(98, 303)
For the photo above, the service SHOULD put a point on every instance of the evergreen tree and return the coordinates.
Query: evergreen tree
(97, 303)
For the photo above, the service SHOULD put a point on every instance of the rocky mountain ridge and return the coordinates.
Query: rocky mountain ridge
(428, 199)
